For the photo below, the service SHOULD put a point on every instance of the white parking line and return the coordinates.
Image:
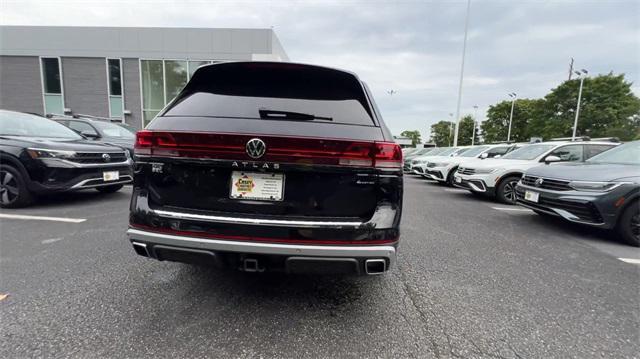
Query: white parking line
(630, 260)
(512, 209)
(42, 218)
(51, 240)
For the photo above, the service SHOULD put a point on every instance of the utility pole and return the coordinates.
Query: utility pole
(513, 95)
(570, 68)
(464, 50)
(583, 74)
(450, 128)
(475, 117)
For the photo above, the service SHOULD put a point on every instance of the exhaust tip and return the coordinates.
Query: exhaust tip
(140, 248)
(375, 266)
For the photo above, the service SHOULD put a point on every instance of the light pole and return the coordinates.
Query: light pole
(450, 128)
(582, 73)
(475, 116)
(513, 96)
(464, 50)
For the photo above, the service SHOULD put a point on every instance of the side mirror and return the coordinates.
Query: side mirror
(551, 159)
(484, 155)
(90, 134)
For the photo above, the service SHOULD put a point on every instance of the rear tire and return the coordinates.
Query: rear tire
(629, 225)
(109, 189)
(506, 191)
(13, 189)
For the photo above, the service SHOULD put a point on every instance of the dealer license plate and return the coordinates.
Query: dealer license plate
(257, 186)
(110, 176)
(531, 196)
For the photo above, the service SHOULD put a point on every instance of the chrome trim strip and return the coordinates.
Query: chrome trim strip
(349, 251)
(128, 162)
(475, 188)
(81, 184)
(257, 221)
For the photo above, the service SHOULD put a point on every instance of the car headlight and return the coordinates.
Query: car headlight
(594, 186)
(42, 153)
(486, 170)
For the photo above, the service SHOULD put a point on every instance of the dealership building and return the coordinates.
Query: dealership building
(123, 73)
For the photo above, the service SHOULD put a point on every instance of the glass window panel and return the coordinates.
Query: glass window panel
(53, 104)
(51, 76)
(115, 106)
(193, 66)
(115, 82)
(152, 84)
(148, 116)
(175, 77)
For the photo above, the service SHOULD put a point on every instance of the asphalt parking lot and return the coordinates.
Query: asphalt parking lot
(474, 279)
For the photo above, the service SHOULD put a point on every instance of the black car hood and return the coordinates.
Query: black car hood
(586, 171)
(64, 144)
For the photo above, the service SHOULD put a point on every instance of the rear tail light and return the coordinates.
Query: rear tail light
(279, 149)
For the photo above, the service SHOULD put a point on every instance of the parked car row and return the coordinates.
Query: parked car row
(595, 183)
(40, 156)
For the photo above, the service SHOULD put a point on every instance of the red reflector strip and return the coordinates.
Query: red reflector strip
(260, 239)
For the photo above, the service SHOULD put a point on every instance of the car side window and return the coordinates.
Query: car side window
(82, 127)
(592, 150)
(497, 151)
(568, 153)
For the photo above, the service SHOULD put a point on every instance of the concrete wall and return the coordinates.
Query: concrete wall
(131, 82)
(85, 85)
(20, 84)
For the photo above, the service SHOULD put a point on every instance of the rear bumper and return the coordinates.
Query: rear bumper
(348, 259)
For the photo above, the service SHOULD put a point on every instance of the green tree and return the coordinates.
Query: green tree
(525, 111)
(441, 133)
(466, 131)
(608, 108)
(413, 135)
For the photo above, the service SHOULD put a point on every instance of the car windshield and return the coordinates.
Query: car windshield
(24, 124)
(448, 151)
(112, 130)
(627, 154)
(474, 151)
(528, 152)
(460, 151)
(437, 151)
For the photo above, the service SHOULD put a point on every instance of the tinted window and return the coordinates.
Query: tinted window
(568, 153)
(115, 82)
(528, 152)
(245, 89)
(51, 75)
(497, 151)
(22, 124)
(472, 152)
(592, 150)
(82, 127)
(629, 153)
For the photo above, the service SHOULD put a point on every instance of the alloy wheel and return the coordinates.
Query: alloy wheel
(8, 188)
(509, 191)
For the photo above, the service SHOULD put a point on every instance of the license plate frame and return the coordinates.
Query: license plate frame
(109, 176)
(532, 196)
(257, 186)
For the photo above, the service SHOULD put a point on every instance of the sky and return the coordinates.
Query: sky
(413, 47)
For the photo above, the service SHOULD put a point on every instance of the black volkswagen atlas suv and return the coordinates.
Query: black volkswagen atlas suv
(40, 156)
(266, 166)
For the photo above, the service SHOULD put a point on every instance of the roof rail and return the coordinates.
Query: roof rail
(607, 139)
(580, 138)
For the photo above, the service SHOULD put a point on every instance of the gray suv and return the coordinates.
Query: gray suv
(603, 191)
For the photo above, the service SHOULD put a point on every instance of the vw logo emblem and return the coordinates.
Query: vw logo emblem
(256, 148)
(106, 157)
(538, 182)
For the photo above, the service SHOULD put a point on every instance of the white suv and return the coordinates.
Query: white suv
(442, 168)
(498, 177)
(418, 163)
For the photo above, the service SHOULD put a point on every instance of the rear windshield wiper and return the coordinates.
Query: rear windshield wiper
(288, 115)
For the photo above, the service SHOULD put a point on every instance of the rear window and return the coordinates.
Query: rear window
(274, 91)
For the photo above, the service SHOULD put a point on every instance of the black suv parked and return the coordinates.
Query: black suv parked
(269, 167)
(604, 191)
(39, 156)
(100, 130)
